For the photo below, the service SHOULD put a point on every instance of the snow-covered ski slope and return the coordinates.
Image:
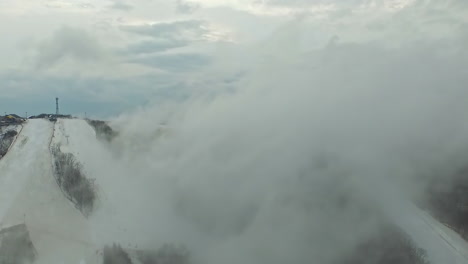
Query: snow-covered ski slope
(61, 234)
(30, 195)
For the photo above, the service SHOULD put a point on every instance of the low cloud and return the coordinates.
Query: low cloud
(289, 166)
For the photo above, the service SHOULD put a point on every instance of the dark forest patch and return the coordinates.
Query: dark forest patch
(115, 255)
(6, 139)
(102, 129)
(389, 246)
(167, 254)
(71, 179)
(447, 199)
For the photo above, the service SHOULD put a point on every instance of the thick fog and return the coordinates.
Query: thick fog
(301, 155)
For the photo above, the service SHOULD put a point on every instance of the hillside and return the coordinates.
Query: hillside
(56, 227)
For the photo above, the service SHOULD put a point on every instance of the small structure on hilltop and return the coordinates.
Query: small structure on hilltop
(54, 118)
(56, 106)
(51, 116)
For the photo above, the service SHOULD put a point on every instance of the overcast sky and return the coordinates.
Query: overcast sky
(108, 57)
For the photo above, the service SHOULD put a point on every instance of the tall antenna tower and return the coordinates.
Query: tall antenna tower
(56, 106)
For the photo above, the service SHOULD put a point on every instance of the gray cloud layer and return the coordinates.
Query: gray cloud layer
(185, 7)
(169, 46)
(173, 30)
(145, 47)
(165, 37)
(175, 62)
(119, 5)
(68, 42)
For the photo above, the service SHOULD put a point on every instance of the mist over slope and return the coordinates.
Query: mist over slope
(289, 152)
(180, 225)
(277, 169)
